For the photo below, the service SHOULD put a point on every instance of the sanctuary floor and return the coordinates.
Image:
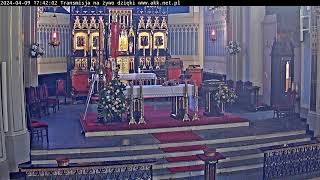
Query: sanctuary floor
(175, 151)
(65, 130)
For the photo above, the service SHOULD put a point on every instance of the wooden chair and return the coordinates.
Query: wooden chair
(46, 100)
(33, 101)
(38, 130)
(61, 91)
(285, 107)
(80, 84)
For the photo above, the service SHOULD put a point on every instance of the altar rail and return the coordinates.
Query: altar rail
(291, 160)
(130, 170)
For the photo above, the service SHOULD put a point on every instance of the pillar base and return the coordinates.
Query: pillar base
(4, 170)
(18, 150)
(313, 120)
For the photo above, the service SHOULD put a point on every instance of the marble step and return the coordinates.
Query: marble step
(213, 140)
(143, 154)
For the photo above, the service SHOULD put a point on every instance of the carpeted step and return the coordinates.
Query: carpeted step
(187, 168)
(184, 148)
(182, 158)
(178, 136)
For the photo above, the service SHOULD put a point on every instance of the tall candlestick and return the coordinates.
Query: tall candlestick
(141, 120)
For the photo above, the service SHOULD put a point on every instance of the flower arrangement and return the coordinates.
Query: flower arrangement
(36, 51)
(112, 101)
(225, 95)
(233, 47)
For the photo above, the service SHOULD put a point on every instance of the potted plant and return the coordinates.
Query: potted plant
(224, 95)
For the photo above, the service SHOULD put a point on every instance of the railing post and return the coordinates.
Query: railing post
(210, 158)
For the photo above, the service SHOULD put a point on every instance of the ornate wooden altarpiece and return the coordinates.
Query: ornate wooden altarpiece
(143, 36)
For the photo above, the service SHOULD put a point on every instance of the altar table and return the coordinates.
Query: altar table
(154, 91)
(179, 94)
(138, 76)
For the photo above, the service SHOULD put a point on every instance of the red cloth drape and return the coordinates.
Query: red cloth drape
(115, 31)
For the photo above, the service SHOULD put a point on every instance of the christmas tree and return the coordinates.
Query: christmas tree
(112, 102)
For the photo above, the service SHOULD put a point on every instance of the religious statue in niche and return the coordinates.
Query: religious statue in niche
(144, 41)
(123, 45)
(158, 41)
(130, 47)
(80, 41)
(95, 41)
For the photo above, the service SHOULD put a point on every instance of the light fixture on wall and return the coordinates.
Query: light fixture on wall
(55, 41)
(213, 35)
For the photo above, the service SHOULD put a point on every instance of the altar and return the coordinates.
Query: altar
(136, 77)
(180, 100)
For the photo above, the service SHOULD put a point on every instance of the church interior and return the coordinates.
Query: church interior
(159, 92)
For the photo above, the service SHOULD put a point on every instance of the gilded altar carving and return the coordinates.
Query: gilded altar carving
(80, 64)
(123, 41)
(141, 24)
(149, 23)
(94, 40)
(93, 24)
(124, 63)
(144, 40)
(156, 24)
(80, 41)
(158, 42)
(77, 24)
(164, 24)
(85, 24)
(101, 23)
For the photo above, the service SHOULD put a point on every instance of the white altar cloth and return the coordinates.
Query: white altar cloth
(154, 91)
(137, 76)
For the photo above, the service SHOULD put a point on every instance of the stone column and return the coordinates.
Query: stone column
(30, 37)
(234, 33)
(17, 141)
(269, 35)
(201, 40)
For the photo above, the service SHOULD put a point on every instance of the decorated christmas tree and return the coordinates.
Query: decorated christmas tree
(112, 102)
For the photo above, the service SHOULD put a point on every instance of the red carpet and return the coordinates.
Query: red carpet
(155, 119)
(184, 148)
(177, 136)
(181, 136)
(182, 158)
(187, 168)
